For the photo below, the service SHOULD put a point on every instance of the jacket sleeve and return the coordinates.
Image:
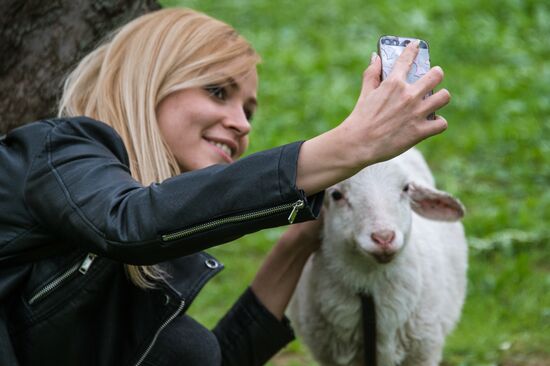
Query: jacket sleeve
(249, 334)
(79, 188)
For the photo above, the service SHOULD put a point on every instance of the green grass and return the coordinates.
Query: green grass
(495, 155)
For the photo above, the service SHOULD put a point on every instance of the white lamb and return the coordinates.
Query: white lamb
(389, 233)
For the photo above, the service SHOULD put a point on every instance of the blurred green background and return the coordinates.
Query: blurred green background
(495, 156)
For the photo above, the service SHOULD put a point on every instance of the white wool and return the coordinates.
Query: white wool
(418, 295)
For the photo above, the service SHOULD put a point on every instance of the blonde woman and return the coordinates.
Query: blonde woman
(103, 218)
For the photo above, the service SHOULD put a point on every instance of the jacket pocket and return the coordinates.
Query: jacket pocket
(80, 267)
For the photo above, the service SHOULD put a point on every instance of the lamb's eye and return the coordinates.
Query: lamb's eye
(406, 188)
(336, 195)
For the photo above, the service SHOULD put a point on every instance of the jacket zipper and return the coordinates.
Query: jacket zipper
(81, 266)
(296, 206)
(164, 325)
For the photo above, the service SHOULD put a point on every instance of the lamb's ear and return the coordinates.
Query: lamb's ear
(434, 204)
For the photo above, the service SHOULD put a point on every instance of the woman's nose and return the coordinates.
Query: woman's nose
(237, 121)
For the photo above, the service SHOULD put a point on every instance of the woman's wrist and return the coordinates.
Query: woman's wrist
(328, 159)
(355, 148)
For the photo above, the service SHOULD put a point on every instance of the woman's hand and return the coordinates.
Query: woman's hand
(388, 119)
(276, 280)
(391, 117)
(305, 236)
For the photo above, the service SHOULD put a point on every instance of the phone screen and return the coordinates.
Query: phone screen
(390, 47)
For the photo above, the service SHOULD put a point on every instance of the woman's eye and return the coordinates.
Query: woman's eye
(217, 91)
(248, 114)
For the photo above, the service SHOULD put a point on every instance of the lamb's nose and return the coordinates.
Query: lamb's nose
(383, 237)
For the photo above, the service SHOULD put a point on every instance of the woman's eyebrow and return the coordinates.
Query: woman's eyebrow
(232, 83)
(253, 101)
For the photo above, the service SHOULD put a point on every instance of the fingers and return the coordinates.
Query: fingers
(429, 81)
(433, 127)
(405, 61)
(371, 76)
(435, 102)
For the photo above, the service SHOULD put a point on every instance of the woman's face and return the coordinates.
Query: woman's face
(206, 126)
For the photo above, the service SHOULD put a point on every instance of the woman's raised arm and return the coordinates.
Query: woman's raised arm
(388, 119)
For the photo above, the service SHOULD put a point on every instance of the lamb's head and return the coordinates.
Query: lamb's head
(368, 216)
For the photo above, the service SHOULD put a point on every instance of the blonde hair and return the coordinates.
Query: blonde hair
(123, 81)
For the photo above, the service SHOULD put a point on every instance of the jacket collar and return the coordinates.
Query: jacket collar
(186, 276)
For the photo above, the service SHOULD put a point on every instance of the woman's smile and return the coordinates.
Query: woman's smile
(209, 125)
(222, 149)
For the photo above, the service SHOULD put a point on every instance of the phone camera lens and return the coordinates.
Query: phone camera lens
(405, 42)
(423, 45)
(395, 42)
(386, 41)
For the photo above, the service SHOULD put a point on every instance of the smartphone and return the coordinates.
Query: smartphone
(389, 49)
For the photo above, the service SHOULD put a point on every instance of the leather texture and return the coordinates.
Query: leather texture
(66, 190)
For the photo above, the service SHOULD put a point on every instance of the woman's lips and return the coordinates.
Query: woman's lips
(220, 150)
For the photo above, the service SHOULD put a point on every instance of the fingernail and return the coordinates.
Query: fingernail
(373, 57)
(415, 43)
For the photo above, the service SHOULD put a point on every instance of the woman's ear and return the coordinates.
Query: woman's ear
(434, 204)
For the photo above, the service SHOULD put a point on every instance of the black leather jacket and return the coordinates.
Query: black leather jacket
(71, 215)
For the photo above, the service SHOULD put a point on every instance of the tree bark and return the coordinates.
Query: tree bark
(42, 41)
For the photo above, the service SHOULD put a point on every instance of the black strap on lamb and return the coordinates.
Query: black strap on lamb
(369, 329)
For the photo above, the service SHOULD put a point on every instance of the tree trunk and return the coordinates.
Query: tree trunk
(41, 41)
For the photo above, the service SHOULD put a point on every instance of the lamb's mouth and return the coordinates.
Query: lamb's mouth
(383, 258)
